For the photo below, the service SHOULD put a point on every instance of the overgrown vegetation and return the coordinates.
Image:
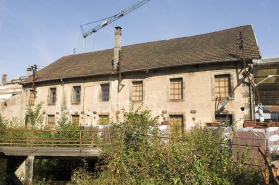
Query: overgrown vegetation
(35, 116)
(139, 155)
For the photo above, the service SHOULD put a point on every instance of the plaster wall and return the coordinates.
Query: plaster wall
(197, 105)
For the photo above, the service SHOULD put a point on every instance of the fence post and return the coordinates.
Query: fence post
(32, 140)
(92, 135)
(52, 138)
(12, 138)
(80, 141)
(266, 169)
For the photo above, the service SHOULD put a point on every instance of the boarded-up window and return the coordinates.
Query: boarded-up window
(224, 118)
(176, 120)
(103, 120)
(52, 96)
(105, 92)
(176, 92)
(137, 91)
(76, 94)
(75, 119)
(51, 121)
(32, 98)
(222, 85)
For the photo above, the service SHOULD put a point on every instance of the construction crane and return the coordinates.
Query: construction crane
(110, 20)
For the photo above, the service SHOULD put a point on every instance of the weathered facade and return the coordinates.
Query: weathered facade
(178, 78)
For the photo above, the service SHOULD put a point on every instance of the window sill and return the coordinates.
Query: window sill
(137, 101)
(104, 101)
(179, 100)
(214, 99)
(51, 104)
(76, 103)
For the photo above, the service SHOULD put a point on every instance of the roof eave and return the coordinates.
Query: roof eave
(145, 69)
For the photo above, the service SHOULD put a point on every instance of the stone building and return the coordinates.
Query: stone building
(179, 78)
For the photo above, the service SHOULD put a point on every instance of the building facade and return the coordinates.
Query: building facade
(181, 80)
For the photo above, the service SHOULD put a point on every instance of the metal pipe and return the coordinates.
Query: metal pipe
(251, 103)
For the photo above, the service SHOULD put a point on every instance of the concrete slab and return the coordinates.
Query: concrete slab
(49, 152)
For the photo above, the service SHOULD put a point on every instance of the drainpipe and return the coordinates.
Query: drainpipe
(251, 102)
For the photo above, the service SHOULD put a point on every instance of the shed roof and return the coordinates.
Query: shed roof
(219, 46)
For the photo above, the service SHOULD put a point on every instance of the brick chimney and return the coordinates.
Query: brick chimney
(29, 72)
(117, 47)
(4, 79)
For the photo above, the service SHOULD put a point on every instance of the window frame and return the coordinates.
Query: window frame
(231, 76)
(76, 115)
(231, 117)
(142, 90)
(50, 96)
(52, 128)
(183, 94)
(74, 99)
(183, 114)
(103, 115)
(101, 92)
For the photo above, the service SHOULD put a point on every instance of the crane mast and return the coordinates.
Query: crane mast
(111, 20)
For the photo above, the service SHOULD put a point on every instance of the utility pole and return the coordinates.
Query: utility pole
(34, 71)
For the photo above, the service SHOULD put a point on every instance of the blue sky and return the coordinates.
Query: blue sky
(42, 31)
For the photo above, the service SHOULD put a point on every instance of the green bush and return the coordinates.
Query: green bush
(137, 155)
(36, 116)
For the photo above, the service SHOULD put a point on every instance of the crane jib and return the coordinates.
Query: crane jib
(111, 19)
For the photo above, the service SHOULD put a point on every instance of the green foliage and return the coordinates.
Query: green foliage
(81, 175)
(36, 116)
(137, 155)
(64, 124)
(3, 122)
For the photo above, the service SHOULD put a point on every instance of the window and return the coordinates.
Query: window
(176, 89)
(105, 92)
(222, 86)
(51, 121)
(176, 120)
(75, 119)
(76, 94)
(137, 91)
(52, 96)
(103, 120)
(224, 118)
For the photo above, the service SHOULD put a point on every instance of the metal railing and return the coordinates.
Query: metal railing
(54, 138)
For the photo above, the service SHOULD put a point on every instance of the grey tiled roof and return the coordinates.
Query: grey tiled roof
(211, 47)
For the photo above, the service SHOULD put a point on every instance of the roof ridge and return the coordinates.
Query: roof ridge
(164, 40)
